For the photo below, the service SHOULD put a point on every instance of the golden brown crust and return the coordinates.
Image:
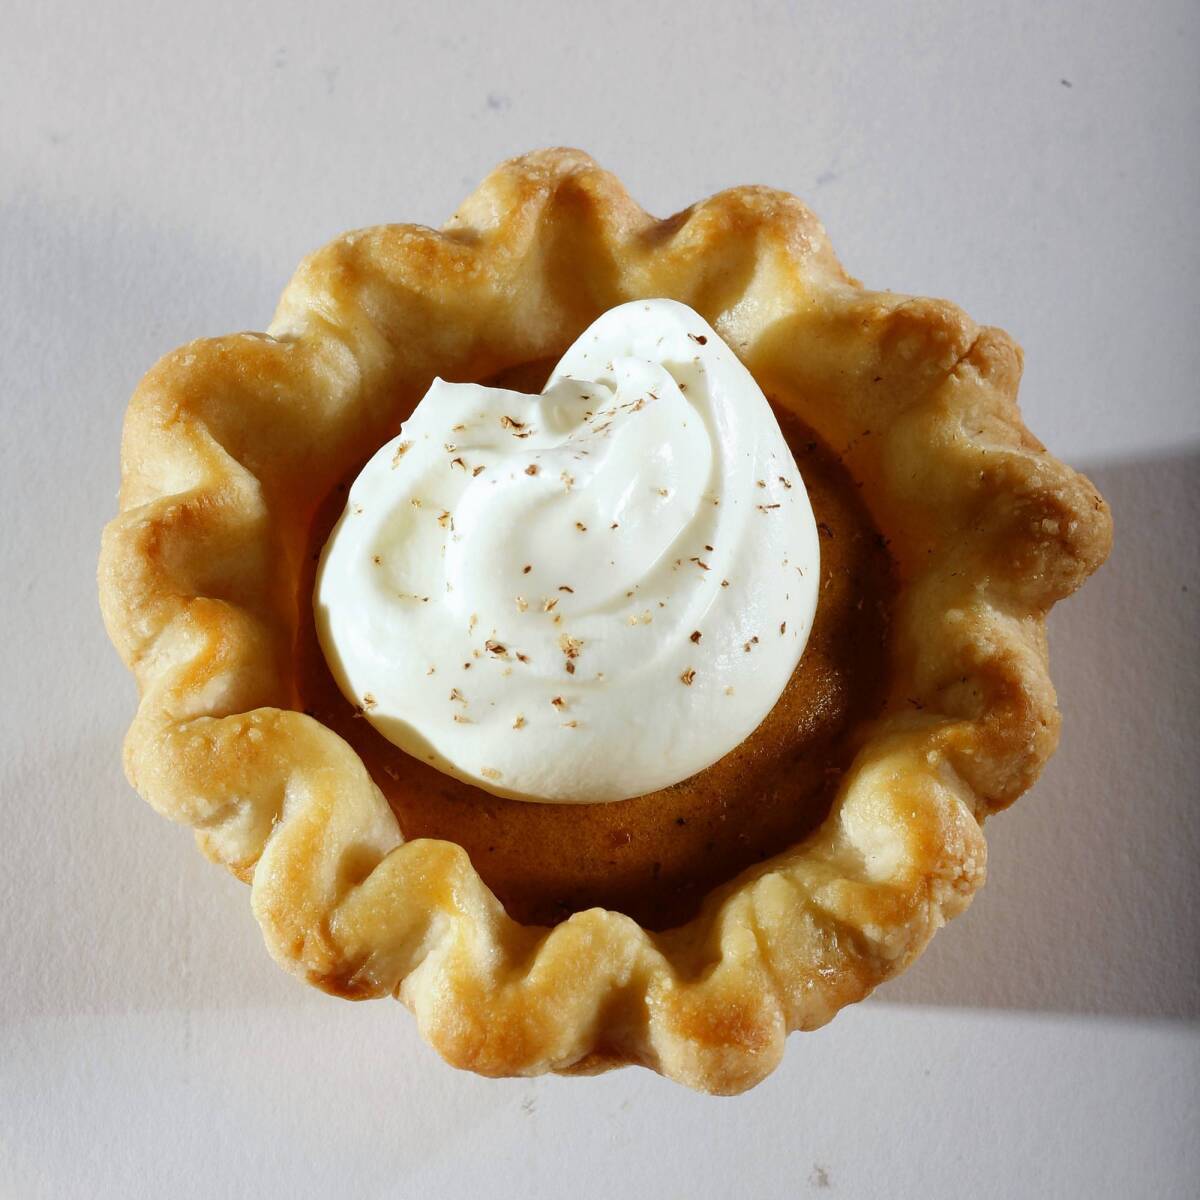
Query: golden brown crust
(229, 442)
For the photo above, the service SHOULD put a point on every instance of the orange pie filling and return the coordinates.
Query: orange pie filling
(656, 856)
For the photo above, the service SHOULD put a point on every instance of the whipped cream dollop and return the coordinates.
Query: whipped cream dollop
(582, 595)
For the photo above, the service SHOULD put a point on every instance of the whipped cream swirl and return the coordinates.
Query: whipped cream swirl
(583, 595)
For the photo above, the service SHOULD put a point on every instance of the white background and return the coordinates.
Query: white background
(163, 168)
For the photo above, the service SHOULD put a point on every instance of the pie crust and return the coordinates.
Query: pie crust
(229, 442)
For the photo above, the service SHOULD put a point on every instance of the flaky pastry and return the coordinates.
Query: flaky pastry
(228, 444)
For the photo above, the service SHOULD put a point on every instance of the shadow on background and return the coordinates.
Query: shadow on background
(108, 909)
(1093, 899)
(127, 915)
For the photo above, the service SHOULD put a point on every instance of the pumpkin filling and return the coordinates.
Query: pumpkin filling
(655, 857)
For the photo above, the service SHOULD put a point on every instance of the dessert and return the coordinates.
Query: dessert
(783, 862)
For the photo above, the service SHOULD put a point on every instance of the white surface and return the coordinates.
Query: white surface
(161, 172)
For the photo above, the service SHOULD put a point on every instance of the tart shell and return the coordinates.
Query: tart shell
(229, 442)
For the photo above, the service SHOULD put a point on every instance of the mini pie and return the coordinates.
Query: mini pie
(689, 930)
